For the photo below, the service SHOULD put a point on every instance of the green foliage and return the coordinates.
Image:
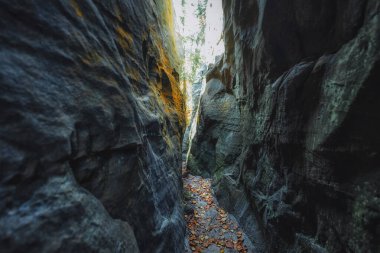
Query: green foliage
(182, 20)
(201, 9)
(196, 62)
(194, 41)
(200, 13)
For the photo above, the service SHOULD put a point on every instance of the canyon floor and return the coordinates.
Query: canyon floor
(210, 228)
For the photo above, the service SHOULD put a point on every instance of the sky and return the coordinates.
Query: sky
(212, 47)
(214, 26)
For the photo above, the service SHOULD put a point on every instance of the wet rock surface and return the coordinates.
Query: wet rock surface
(304, 77)
(91, 124)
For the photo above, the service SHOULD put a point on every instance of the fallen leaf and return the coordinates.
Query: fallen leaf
(229, 244)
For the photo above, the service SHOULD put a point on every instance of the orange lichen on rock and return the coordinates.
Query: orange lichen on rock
(160, 46)
(172, 96)
(172, 60)
(91, 58)
(133, 73)
(76, 8)
(169, 23)
(125, 39)
(171, 93)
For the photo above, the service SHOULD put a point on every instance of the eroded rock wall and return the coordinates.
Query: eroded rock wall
(91, 120)
(196, 90)
(305, 76)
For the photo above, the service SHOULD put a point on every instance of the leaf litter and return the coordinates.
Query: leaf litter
(209, 227)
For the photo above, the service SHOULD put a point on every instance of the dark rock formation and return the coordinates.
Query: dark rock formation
(304, 76)
(217, 141)
(91, 123)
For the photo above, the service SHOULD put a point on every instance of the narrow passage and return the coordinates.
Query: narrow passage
(209, 228)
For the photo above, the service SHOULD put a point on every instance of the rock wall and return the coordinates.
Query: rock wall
(91, 124)
(299, 83)
(197, 88)
(217, 139)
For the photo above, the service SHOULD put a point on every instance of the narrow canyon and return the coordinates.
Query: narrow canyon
(128, 126)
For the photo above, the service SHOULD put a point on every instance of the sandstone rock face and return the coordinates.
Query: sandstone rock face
(304, 76)
(91, 123)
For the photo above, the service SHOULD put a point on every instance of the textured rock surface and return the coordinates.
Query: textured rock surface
(196, 90)
(91, 122)
(217, 140)
(305, 76)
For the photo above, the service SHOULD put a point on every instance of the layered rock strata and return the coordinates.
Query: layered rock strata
(91, 124)
(288, 124)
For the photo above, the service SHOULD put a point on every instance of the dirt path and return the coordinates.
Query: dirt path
(209, 228)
